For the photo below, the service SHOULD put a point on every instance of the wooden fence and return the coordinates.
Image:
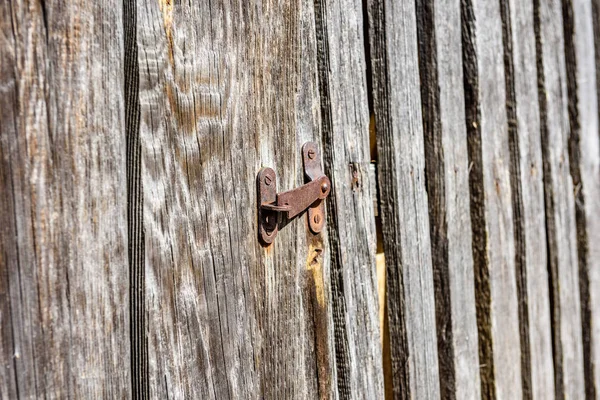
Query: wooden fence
(131, 135)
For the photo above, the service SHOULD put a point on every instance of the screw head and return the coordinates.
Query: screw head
(317, 219)
(324, 187)
(311, 154)
(268, 180)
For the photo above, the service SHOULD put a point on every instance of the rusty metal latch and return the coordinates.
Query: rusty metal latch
(293, 202)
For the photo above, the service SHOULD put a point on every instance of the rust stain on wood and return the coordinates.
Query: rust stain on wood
(314, 264)
(166, 8)
(315, 289)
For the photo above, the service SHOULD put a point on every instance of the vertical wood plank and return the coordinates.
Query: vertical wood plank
(528, 198)
(446, 167)
(403, 198)
(559, 199)
(328, 330)
(135, 228)
(63, 231)
(584, 153)
(351, 233)
(491, 206)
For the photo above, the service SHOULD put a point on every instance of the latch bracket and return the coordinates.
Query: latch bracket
(293, 202)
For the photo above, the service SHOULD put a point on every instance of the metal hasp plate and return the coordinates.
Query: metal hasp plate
(295, 201)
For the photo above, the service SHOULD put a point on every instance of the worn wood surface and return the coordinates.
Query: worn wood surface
(64, 330)
(559, 199)
(446, 167)
(491, 200)
(225, 316)
(226, 88)
(584, 153)
(403, 198)
(131, 134)
(351, 224)
(526, 171)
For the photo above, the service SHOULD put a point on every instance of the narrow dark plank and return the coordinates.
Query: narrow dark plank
(64, 327)
(351, 233)
(584, 154)
(528, 198)
(446, 166)
(403, 198)
(491, 200)
(135, 228)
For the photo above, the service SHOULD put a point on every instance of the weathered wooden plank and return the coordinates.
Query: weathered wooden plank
(528, 198)
(63, 232)
(225, 88)
(225, 317)
(351, 233)
(491, 206)
(584, 155)
(446, 167)
(560, 204)
(319, 258)
(403, 198)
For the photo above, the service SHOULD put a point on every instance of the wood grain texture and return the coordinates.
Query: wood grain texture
(64, 329)
(135, 228)
(403, 198)
(491, 205)
(584, 154)
(351, 224)
(560, 201)
(528, 198)
(226, 88)
(226, 317)
(446, 167)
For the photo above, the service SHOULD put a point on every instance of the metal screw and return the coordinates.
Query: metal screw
(311, 154)
(268, 180)
(324, 187)
(317, 219)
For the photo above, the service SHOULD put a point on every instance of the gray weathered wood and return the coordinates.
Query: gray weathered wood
(64, 330)
(491, 206)
(351, 229)
(143, 124)
(446, 167)
(528, 198)
(560, 204)
(225, 88)
(225, 316)
(584, 146)
(401, 163)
